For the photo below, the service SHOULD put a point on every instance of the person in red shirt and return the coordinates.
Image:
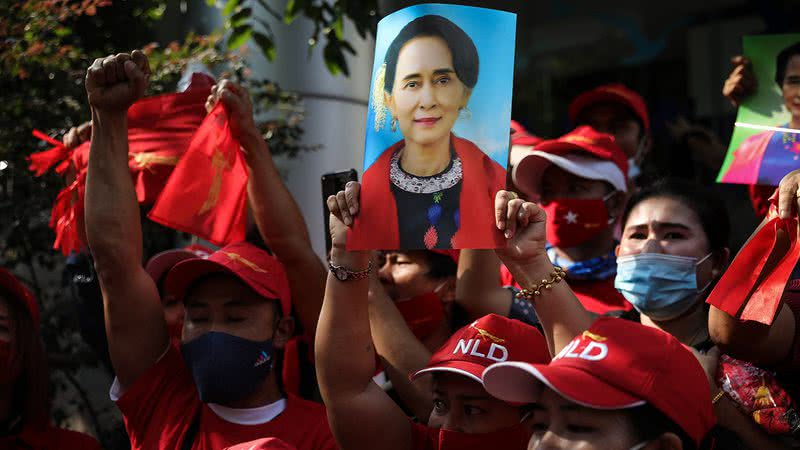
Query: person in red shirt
(361, 414)
(621, 112)
(24, 384)
(617, 385)
(263, 444)
(580, 180)
(220, 387)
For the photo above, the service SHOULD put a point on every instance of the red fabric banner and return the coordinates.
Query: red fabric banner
(748, 289)
(207, 193)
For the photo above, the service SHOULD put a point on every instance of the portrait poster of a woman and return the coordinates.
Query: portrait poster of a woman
(766, 142)
(437, 131)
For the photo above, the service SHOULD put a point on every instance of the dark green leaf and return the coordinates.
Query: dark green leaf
(241, 16)
(239, 36)
(266, 44)
(229, 7)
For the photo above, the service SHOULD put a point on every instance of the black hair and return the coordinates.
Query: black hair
(649, 423)
(439, 266)
(465, 54)
(783, 60)
(705, 203)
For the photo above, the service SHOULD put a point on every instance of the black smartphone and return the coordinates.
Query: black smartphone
(331, 184)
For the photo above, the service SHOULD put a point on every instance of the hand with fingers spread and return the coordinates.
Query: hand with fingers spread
(115, 82)
(789, 195)
(78, 135)
(237, 102)
(523, 224)
(344, 206)
(741, 83)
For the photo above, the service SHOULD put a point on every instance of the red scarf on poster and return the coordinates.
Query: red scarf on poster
(750, 291)
(207, 193)
(159, 131)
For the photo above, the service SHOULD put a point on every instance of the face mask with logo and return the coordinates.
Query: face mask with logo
(662, 287)
(226, 368)
(423, 313)
(511, 438)
(573, 221)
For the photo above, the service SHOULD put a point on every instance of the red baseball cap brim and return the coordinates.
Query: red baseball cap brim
(464, 368)
(595, 96)
(522, 383)
(159, 264)
(184, 274)
(528, 172)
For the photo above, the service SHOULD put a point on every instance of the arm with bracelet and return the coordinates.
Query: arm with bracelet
(561, 314)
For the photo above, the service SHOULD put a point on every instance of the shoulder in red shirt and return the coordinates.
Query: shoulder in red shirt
(161, 405)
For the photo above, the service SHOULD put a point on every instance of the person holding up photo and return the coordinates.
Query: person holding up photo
(434, 189)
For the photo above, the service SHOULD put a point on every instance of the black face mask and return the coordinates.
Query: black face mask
(226, 368)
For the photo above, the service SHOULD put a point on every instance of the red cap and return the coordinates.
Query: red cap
(18, 291)
(488, 340)
(613, 93)
(263, 444)
(258, 269)
(584, 152)
(521, 136)
(616, 364)
(160, 263)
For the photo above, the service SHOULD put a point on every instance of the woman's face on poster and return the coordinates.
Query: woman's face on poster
(791, 86)
(427, 95)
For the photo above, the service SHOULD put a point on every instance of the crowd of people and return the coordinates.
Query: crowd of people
(588, 328)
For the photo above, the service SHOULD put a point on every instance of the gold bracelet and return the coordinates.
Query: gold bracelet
(556, 276)
(718, 397)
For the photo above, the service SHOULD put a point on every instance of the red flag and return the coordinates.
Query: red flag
(58, 155)
(748, 286)
(207, 193)
(160, 129)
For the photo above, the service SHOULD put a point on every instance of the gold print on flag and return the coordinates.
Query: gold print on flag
(219, 163)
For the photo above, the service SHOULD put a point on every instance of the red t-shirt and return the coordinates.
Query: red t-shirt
(599, 297)
(48, 438)
(160, 406)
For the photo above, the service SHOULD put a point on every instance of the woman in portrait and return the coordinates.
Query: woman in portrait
(431, 189)
(766, 157)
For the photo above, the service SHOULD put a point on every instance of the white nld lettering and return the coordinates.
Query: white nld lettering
(463, 346)
(567, 349)
(475, 351)
(495, 348)
(595, 351)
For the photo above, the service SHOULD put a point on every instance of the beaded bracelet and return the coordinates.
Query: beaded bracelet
(556, 276)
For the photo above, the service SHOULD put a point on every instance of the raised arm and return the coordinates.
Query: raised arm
(361, 415)
(559, 311)
(276, 214)
(137, 333)
(754, 341)
(402, 353)
(478, 288)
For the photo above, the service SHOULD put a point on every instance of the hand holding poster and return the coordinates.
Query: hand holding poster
(765, 144)
(437, 129)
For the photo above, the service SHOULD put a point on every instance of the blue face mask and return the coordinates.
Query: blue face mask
(662, 287)
(226, 368)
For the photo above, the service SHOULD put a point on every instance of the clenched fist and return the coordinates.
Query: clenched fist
(115, 82)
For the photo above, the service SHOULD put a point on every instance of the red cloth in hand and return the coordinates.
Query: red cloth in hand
(748, 289)
(207, 192)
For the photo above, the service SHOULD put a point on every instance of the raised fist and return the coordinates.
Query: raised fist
(115, 82)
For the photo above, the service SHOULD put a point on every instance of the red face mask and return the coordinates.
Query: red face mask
(423, 314)
(573, 221)
(512, 438)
